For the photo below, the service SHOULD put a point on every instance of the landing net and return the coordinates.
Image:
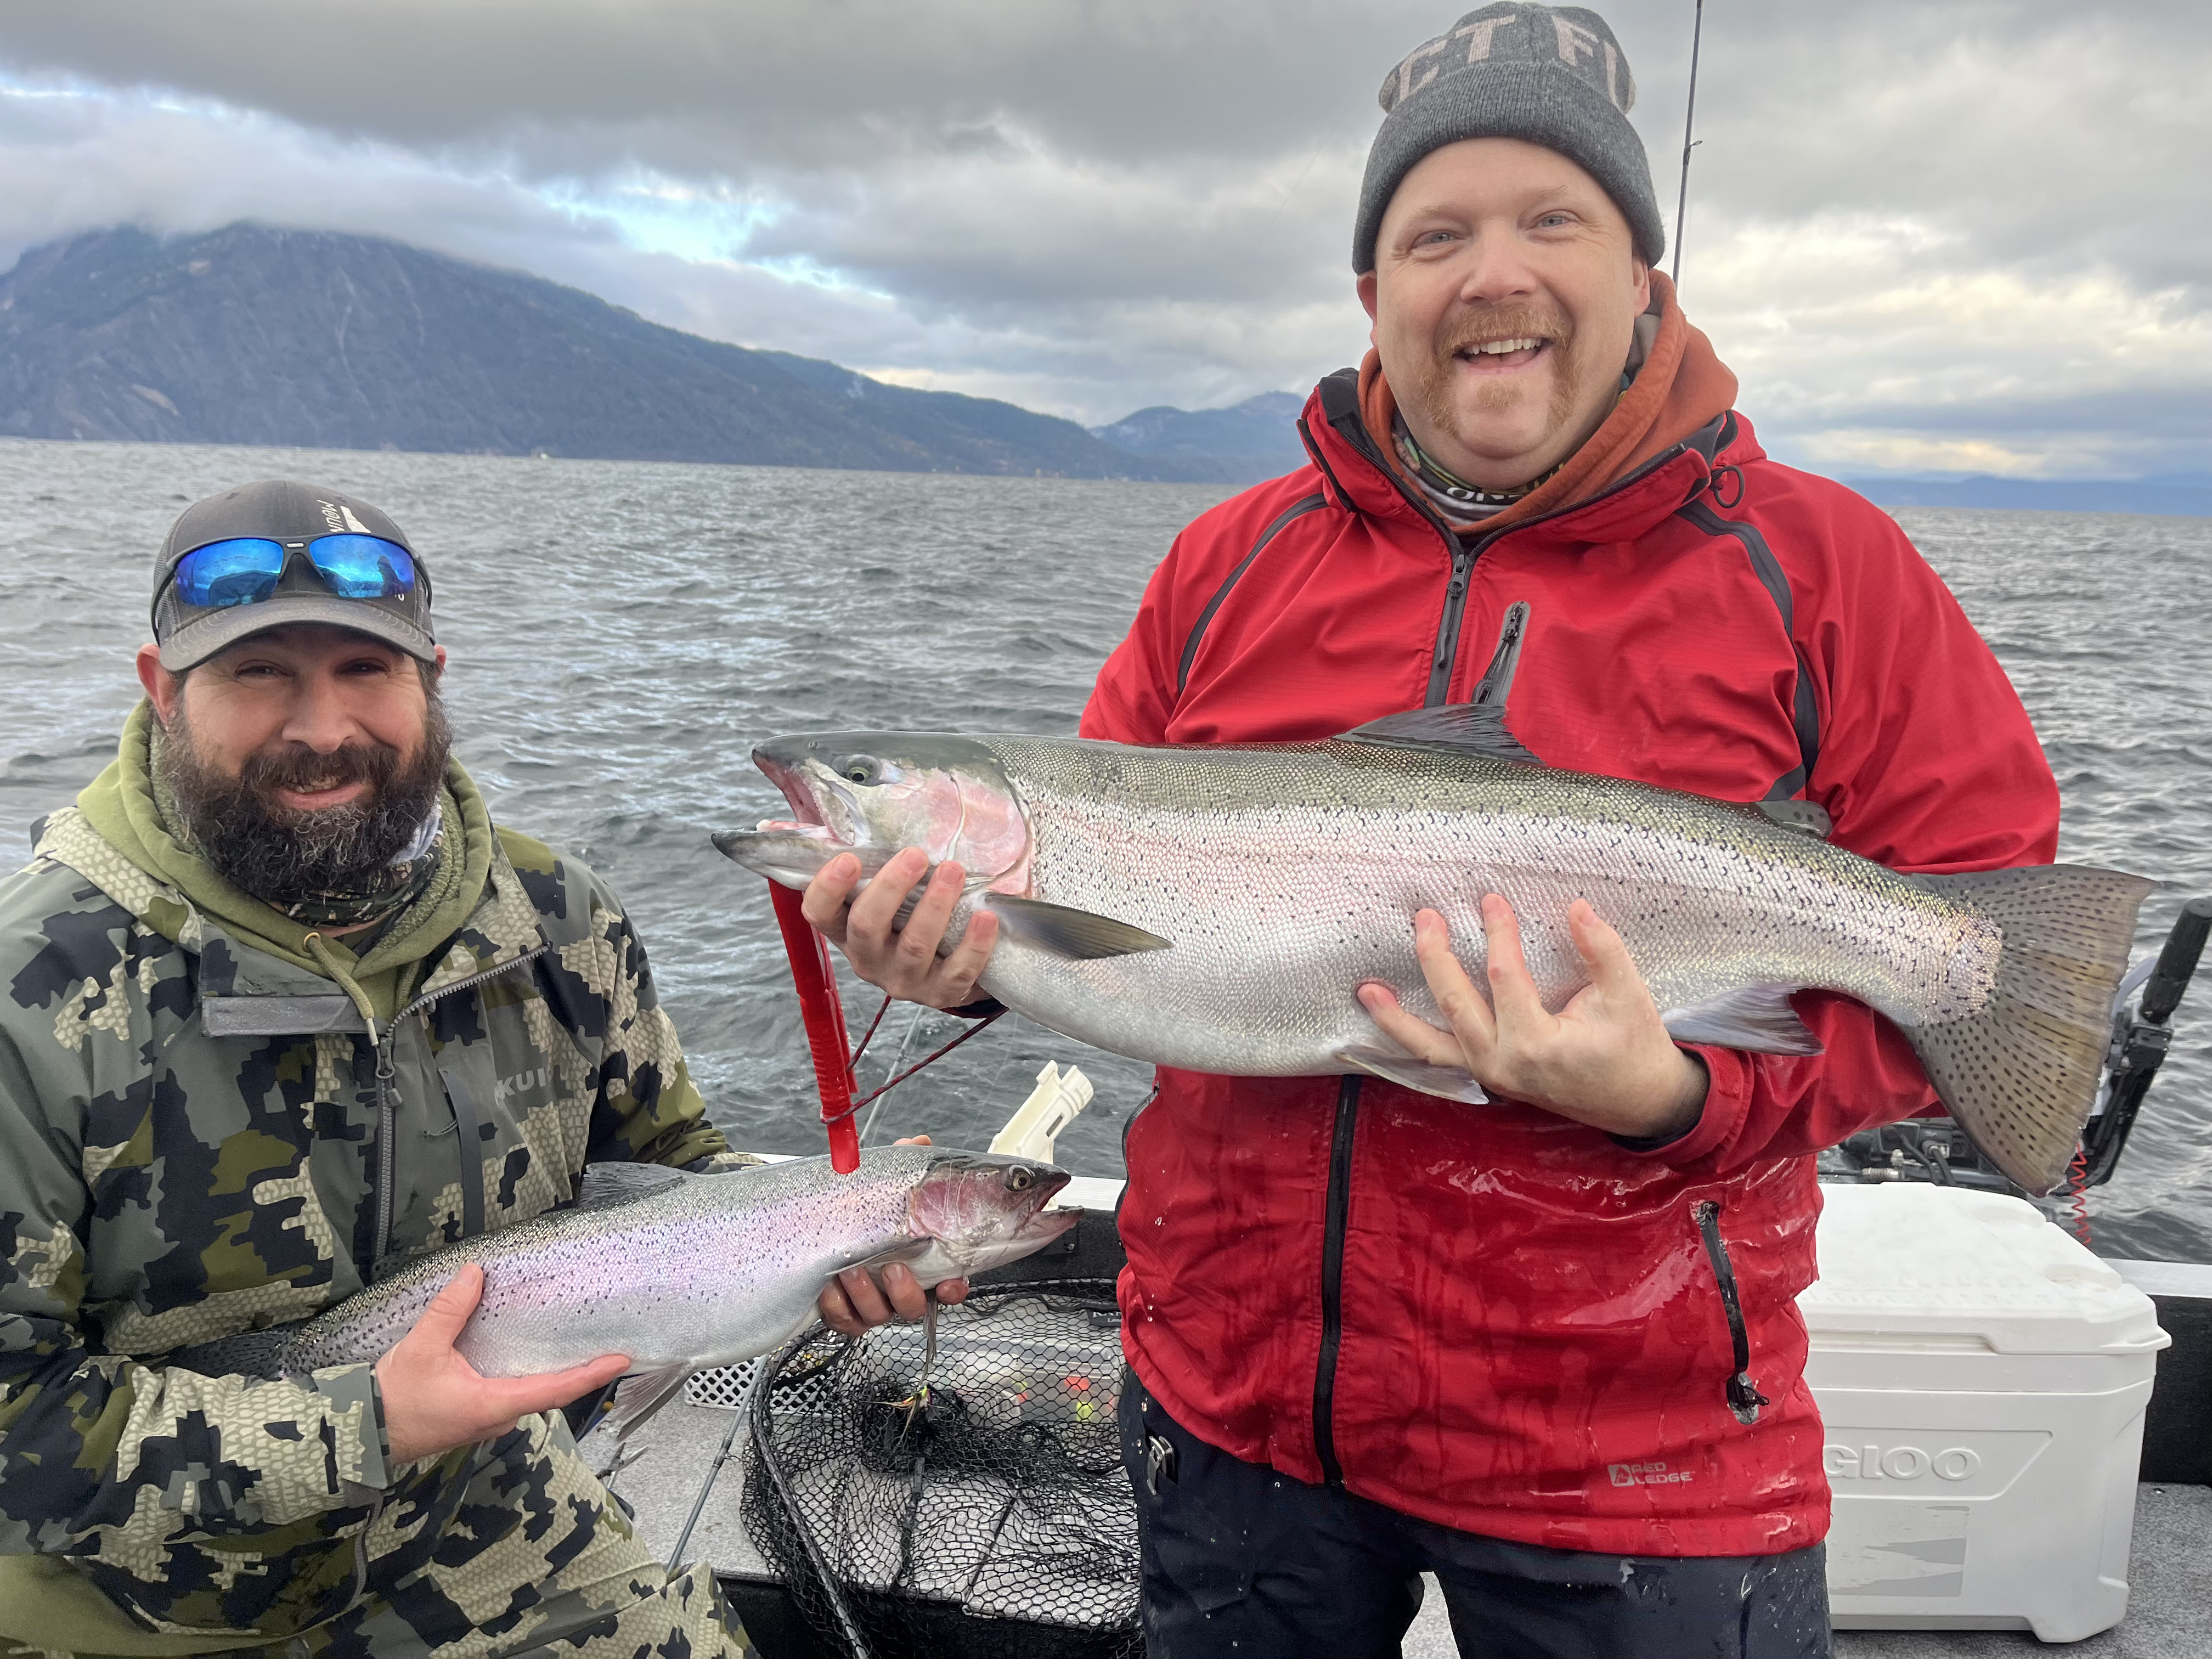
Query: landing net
(989, 1515)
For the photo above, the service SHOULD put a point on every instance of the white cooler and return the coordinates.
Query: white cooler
(1982, 1379)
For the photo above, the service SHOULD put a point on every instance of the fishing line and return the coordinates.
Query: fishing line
(930, 1058)
(912, 1024)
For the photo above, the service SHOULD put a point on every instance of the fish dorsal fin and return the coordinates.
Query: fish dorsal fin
(605, 1185)
(1456, 728)
(1807, 818)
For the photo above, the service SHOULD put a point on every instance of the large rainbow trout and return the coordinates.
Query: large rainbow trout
(681, 1272)
(1214, 908)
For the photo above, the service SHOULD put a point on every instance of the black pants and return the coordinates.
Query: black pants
(1239, 1559)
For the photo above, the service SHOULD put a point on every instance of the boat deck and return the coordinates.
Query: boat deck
(2169, 1610)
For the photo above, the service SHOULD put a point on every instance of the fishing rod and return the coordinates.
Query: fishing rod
(1689, 144)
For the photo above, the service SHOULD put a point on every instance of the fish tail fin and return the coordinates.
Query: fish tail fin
(2021, 1075)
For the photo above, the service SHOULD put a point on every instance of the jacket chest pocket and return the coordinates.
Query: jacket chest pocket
(501, 1134)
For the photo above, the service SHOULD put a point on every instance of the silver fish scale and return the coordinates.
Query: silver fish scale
(1286, 877)
(706, 1271)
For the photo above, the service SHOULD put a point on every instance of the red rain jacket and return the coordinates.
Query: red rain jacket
(1493, 1317)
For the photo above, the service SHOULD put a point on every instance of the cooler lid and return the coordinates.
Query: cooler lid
(1905, 1261)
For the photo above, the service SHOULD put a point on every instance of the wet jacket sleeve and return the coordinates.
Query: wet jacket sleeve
(100, 1454)
(648, 1110)
(1927, 762)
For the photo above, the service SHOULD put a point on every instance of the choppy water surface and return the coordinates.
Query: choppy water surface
(621, 635)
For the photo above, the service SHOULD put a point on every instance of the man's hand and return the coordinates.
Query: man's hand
(852, 1301)
(434, 1400)
(1604, 1059)
(902, 961)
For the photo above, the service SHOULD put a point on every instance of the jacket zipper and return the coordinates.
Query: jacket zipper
(387, 1097)
(1465, 553)
(1336, 1212)
(1497, 678)
(1744, 1398)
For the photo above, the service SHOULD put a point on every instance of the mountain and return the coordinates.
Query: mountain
(252, 335)
(1243, 444)
(2178, 497)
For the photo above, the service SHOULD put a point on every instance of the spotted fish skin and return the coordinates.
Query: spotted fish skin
(682, 1271)
(1286, 878)
(1253, 889)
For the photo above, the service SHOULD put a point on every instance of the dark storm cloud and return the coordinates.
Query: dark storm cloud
(1904, 214)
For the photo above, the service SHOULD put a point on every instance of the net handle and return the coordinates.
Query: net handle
(827, 1042)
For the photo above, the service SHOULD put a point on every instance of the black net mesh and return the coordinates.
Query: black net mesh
(987, 1514)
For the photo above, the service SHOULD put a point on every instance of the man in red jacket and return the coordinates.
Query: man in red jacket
(1546, 1349)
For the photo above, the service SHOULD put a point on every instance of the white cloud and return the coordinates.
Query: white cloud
(1968, 236)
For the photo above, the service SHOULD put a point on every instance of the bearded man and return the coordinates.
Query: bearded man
(1546, 1348)
(281, 1000)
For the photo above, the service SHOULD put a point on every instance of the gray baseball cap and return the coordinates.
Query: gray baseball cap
(292, 514)
(1551, 75)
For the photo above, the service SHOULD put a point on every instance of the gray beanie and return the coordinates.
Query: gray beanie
(1551, 75)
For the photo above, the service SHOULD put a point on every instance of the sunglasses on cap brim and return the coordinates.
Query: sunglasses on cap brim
(247, 569)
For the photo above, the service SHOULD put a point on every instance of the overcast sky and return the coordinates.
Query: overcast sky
(1966, 237)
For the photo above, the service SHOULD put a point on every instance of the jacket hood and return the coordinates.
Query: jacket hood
(175, 892)
(1681, 394)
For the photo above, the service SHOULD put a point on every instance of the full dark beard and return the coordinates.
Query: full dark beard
(284, 855)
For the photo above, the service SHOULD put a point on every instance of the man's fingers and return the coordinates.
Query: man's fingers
(837, 1310)
(1457, 998)
(874, 912)
(824, 902)
(949, 1290)
(924, 929)
(1602, 950)
(441, 1322)
(1511, 988)
(959, 971)
(522, 1397)
(1415, 1036)
(864, 1296)
(909, 1300)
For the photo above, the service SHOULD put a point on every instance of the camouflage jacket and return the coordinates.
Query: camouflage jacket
(197, 1139)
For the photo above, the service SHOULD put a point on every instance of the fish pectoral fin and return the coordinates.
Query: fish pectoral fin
(1448, 1082)
(1466, 728)
(606, 1184)
(640, 1394)
(1078, 935)
(904, 1250)
(1758, 1019)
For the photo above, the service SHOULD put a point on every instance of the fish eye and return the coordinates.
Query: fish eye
(1020, 1181)
(860, 768)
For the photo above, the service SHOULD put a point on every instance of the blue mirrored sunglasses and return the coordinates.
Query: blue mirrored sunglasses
(246, 569)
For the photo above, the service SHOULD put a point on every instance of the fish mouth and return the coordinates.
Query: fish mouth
(1042, 1226)
(820, 807)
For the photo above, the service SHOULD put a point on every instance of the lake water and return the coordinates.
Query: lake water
(621, 634)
